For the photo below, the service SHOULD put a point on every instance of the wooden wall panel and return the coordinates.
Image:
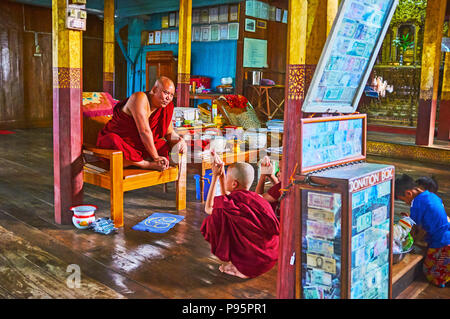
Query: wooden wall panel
(26, 80)
(11, 65)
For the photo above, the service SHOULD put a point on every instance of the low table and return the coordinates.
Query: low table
(249, 156)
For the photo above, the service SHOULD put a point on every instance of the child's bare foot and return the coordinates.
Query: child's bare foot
(230, 269)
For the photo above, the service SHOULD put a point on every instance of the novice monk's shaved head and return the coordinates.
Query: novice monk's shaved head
(240, 176)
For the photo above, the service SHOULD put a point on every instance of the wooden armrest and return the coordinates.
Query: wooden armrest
(100, 152)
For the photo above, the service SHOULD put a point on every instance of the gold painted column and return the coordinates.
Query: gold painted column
(429, 81)
(332, 9)
(67, 136)
(108, 46)
(444, 106)
(184, 53)
(296, 73)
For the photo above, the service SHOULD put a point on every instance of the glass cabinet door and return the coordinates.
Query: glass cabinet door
(321, 245)
(370, 242)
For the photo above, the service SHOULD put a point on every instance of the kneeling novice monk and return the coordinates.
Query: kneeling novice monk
(242, 227)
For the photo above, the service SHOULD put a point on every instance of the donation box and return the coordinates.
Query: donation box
(346, 214)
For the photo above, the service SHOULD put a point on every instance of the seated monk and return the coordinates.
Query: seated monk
(273, 194)
(141, 127)
(241, 227)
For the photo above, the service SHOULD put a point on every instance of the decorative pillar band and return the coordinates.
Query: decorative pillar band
(299, 79)
(66, 78)
(184, 78)
(108, 76)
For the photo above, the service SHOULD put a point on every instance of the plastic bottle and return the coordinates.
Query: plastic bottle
(213, 111)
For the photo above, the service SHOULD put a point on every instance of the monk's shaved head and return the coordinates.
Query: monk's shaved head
(163, 82)
(243, 173)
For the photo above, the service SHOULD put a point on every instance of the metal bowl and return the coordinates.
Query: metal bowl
(397, 257)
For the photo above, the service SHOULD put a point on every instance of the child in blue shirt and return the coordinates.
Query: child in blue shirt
(427, 211)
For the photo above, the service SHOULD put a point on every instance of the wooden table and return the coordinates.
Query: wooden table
(263, 91)
(204, 96)
(249, 156)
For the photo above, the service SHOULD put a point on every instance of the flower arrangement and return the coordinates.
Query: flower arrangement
(237, 101)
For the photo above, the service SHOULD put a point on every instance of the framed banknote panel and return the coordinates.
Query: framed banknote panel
(348, 56)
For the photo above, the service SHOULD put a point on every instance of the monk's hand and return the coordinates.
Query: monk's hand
(163, 163)
(266, 167)
(218, 169)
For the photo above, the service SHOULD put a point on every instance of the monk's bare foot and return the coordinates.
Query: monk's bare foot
(230, 269)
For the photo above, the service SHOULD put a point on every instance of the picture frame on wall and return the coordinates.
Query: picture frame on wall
(157, 37)
(223, 13)
(151, 38)
(196, 34)
(223, 32)
(233, 31)
(278, 14)
(172, 19)
(173, 36)
(234, 12)
(165, 22)
(205, 33)
(165, 36)
(214, 32)
(195, 16)
(250, 25)
(204, 15)
(213, 14)
(262, 24)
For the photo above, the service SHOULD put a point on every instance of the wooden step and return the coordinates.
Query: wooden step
(405, 272)
(413, 290)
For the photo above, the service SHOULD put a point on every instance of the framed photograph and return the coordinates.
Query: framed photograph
(278, 13)
(196, 34)
(261, 24)
(151, 38)
(223, 32)
(213, 14)
(272, 12)
(214, 32)
(233, 31)
(177, 19)
(195, 16)
(234, 12)
(250, 25)
(173, 36)
(165, 22)
(172, 19)
(165, 36)
(250, 8)
(204, 15)
(223, 13)
(285, 16)
(157, 37)
(205, 33)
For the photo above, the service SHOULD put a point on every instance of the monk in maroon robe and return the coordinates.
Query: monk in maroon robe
(242, 227)
(141, 127)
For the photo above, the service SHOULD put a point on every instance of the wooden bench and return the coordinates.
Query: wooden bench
(116, 178)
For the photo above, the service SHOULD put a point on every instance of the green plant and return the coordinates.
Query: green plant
(403, 42)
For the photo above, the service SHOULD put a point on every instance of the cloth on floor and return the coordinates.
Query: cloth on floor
(158, 223)
(243, 229)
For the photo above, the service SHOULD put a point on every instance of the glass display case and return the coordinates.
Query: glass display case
(346, 216)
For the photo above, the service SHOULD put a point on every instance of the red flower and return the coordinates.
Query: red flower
(237, 101)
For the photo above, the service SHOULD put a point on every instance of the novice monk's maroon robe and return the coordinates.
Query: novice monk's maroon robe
(121, 132)
(243, 229)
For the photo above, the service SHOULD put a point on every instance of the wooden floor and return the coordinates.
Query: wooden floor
(35, 253)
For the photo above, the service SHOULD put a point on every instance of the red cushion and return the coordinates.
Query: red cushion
(98, 104)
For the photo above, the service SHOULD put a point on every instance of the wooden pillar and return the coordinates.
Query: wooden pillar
(431, 54)
(444, 106)
(67, 138)
(184, 53)
(108, 47)
(295, 94)
(316, 30)
(332, 9)
(393, 47)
